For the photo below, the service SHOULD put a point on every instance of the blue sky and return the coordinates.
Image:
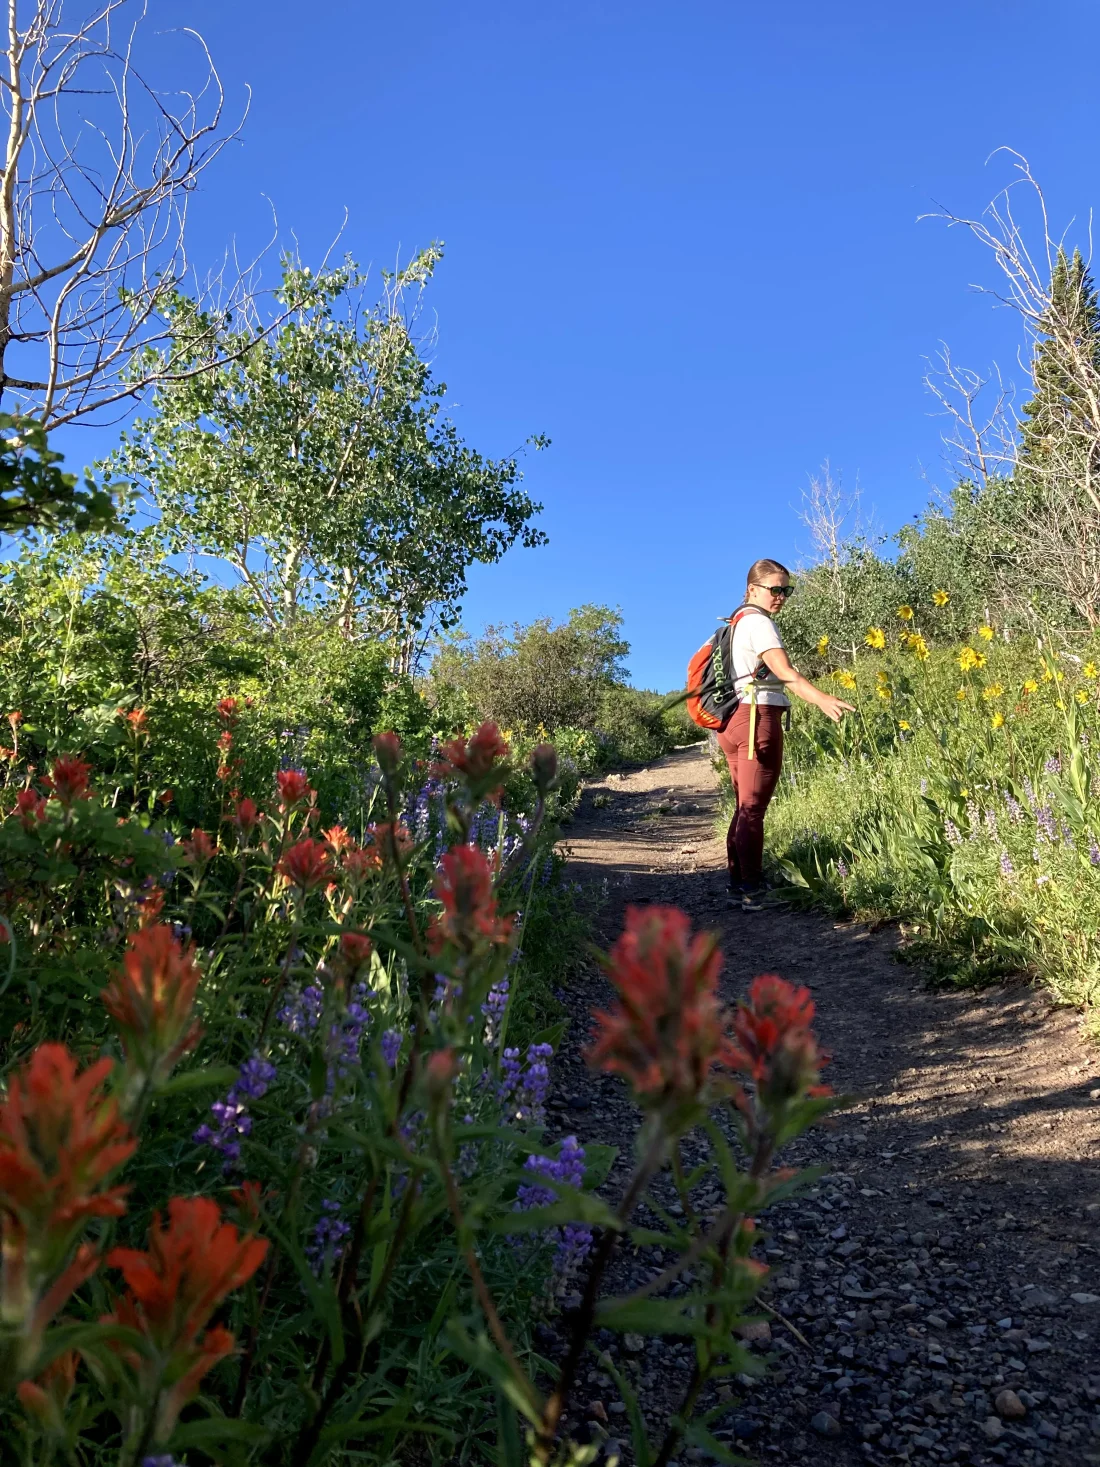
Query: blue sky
(681, 241)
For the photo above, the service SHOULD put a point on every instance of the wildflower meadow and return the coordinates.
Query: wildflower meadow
(960, 797)
(274, 1184)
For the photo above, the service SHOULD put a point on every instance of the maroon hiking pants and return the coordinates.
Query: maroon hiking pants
(754, 782)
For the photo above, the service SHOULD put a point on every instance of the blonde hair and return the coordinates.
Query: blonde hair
(764, 568)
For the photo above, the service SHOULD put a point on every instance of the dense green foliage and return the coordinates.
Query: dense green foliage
(963, 797)
(570, 678)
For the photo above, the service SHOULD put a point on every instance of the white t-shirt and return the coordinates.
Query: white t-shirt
(756, 633)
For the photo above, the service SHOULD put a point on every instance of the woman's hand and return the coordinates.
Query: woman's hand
(834, 708)
(777, 662)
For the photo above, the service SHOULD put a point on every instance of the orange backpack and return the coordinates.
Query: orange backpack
(712, 697)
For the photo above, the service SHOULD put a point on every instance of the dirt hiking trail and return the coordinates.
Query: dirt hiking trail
(938, 1292)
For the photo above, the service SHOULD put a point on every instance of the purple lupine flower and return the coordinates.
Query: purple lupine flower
(302, 1010)
(1044, 819)
(346, 1035)
(1053, 765)
(990, 821)
(973, 817)
(325, 1246)
(1067, 836)
(231, 1114)
(165, 1460)
(951, 833)
(1007, 868)
(842, 869)
(1094, 854)
(391, 1046)
(510, 1070)
(575, 1239)
(496, 1001)
(924, 786)
(525, 1089)
(1085, 742)
(1029, 795)
(1014, 808)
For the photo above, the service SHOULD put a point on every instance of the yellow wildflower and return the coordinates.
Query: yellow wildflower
(844, 678)
(905, 613)
(965, 794)
(919, 647)
(1090, 669)
(885, 693)
(968, 658)
(986, 633)
(960, 696)
(1082, 695)
(882, 676)
(904, 725)
(998, 720)
(940, 598)
(876, 637)
(992, 690)
(822, 643)
(1061, 705)
(1048, 676)
(1031, 686)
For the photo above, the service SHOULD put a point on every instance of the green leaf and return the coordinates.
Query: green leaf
(218, 1429)
(598, 1161)
(218, 1076)
(484, 1357)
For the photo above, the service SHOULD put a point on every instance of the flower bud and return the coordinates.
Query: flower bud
(544, 767)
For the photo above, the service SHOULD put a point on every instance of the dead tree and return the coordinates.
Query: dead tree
(99, 163)
(1047, 483)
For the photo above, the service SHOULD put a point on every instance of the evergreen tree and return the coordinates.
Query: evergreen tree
(1055, 411)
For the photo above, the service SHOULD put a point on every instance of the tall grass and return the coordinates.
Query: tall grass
(962, 797)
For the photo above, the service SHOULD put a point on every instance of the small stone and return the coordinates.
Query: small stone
(934, 1199)
(633, 1344)
(993, 1428)
(1034, 1347)
(1005, 1323)
(596, 1411)
(839, 1233)
(826, 1425)
(1048, 1429)
(1085, 1298)
(618, 1408)
(756, 1332)
(745, 1428)
(937, 1321)
(1009, 1406)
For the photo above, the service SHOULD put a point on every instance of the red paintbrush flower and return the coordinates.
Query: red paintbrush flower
(61, 1139)
(478, 762)
(173, 1290)
(45, 1398)
(306, 865)
(69, 778)
(464, 884)
(361, 862)
(151, 1001)
(201, 848)
(30, 807)
(338, 838)
(387, 750)
(356, 948)
(666, 1033)
(391, 840)
(294, 787)
(228, 710)
(246, 816)
(773, 1042)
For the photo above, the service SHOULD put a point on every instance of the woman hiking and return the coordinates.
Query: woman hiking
(764, 675)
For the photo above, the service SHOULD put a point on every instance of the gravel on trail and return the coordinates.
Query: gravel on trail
(936, 1296)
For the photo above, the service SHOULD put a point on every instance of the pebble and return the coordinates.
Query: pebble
(993, 1428)
(824, 1424)
(1009, 1406)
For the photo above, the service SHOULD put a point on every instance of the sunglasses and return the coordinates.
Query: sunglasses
(775, 590)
